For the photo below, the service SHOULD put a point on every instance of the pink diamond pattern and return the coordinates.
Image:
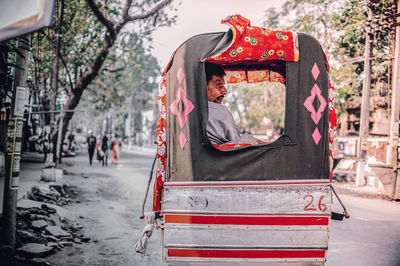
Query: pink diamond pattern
(315, 115)
(308, 104)
(182, 139)
(180, 75)
(315, 71)
(188, 107)
(181, 118)
(316, 136)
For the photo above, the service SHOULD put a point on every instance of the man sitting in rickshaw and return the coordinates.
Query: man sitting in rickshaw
(221, 127)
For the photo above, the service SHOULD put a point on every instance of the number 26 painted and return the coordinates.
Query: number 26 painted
(309, 206)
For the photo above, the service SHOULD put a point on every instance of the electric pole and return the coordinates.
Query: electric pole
(364, 117)
(13, 152)
(394, 118)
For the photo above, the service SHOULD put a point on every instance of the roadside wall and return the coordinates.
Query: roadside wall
(345, 151)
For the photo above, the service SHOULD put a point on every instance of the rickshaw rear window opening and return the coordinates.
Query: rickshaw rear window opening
(256, 98)
(254, 60)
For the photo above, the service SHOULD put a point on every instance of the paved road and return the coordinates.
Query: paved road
(111, 199)
(370, 237)
(109, 209)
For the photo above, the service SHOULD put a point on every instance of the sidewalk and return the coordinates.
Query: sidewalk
(31, 165)
(349, 188)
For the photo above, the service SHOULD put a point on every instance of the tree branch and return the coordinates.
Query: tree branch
(107, 23)
(116, 70)
(125, 15)
(150, 12)
(125, 11)
(127, 18)
(67, 70)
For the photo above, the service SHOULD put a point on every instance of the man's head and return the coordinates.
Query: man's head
(215, 83)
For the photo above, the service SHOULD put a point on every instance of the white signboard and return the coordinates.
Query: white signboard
(18, 17)
(20, 101)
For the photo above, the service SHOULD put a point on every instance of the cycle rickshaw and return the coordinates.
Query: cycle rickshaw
(265, 203)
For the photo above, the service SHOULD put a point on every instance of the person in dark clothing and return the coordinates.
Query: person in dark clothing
(104, 148)
(71, 138)
(44, 139)
(91, 141)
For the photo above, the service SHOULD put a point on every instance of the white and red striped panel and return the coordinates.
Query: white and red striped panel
(267, 222)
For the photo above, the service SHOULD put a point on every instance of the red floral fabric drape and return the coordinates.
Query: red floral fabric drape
(332, 123)
(161, 146)
(253, 76)
(256, 44)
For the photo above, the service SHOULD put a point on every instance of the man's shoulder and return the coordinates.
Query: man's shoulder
(218, 107)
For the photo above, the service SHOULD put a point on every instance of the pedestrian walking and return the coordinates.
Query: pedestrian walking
(71, 139)
(100, 154)
(115, 147)
(91, 141)
(44, 139)
(104, 148)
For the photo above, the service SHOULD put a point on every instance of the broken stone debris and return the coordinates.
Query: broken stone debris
(37, 208)
(31, 261)
(53, 244)
(54, 193)
(50, 228)
(35, 250)
(66, 244)
(42, 227)
(57, 232)
(39, 224)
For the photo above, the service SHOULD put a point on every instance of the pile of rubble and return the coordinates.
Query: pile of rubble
(42, 226)
(58, 194)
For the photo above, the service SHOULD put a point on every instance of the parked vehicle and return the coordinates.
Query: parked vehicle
(264, 203)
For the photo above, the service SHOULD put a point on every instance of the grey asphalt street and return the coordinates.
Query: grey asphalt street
(370, 237)
(109, 208)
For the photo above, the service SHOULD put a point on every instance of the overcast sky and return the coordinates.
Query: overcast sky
(201, 16)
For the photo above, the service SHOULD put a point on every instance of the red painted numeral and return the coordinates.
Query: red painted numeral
(321, 206)
(307, 207)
